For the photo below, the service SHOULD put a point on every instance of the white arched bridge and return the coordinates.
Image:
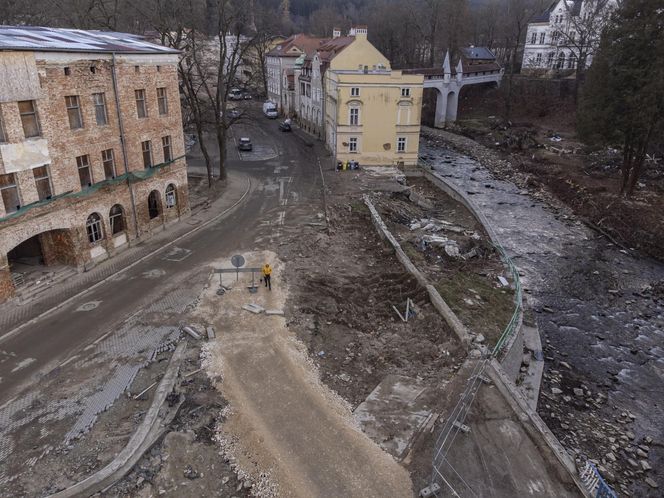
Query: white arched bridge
(477, 65)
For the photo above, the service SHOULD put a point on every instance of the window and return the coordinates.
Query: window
(29, 118)
(116, 219)
(9, 192)
(141, 106)
(3, 137)
(146, 148)
(354, 116)
(352, 144)
(533, 37)
(556, 36)
(43, 182)
(166, 144)
(355, 91)
(401, 144)
(538, 60)
(162, 101)
(108, 160)
(100, 108)
(67, 71)
(542, 38)
(549, 59)
(571, 62)
(171, 196)
(84, 171)
(405, 92)
(154, 205)
(74, 112)
(94, 228)
(561, 61)
(572, 36)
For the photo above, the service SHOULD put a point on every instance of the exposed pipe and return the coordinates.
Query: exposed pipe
(124, 147)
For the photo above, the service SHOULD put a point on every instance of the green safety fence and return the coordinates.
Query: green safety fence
(132, 177)
(512, 325)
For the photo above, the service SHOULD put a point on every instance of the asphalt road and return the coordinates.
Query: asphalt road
(285, 191)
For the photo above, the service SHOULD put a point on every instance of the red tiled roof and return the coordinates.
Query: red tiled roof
(302, 42)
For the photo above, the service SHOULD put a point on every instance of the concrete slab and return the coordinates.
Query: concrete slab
(253, 308)
(275, 312)
(394, 413)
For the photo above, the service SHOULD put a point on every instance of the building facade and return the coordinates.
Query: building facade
(91, 147)
(372, 112)
(564, 35)
(280, 63)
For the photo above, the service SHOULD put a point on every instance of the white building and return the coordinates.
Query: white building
(566, 33)
(280, 62)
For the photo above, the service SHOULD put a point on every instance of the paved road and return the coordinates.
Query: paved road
(289, 181)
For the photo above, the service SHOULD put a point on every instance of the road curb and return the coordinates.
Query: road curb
(145, 436)
(14, 331)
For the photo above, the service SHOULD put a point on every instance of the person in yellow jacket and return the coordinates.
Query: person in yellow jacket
(267, 273)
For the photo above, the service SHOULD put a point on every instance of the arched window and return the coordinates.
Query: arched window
(116, 219)
(94, 228)
(154, 204)
(171, 196)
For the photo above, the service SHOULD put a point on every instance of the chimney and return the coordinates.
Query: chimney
(336, 32)
(358, 31)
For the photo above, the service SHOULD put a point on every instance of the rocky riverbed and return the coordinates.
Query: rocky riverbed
(600, 311)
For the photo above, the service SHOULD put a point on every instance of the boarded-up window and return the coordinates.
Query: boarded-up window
(141, 105)
(43, 182)
(9, 192)
(100, 108)
(168, 153)
(84, 171)
(108, 160)
(146, 148)
(162, 100)
(116, 217)
(73, 104)
(29, 118)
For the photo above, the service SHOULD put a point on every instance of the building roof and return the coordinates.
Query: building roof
(44, 39)
(477, 53)
(330, 48)
(574, 8)
(303, 43)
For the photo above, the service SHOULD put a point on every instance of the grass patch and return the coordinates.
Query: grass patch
(479, 304)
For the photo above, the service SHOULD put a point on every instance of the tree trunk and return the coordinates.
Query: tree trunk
(221, 141)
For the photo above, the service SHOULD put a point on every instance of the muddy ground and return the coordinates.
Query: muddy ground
(449, 245)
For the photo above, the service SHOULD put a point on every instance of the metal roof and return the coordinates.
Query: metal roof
(43, 39)
(473, 53)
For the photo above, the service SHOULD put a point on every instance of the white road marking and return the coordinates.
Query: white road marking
(22, 364)
(281, 217)
(102, 337)
(284, 182)
(69, 360)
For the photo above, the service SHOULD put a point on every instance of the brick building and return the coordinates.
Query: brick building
(91, 148)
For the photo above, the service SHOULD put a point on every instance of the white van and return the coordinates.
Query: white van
(270, 109)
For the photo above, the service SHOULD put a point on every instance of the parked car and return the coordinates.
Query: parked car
(270, 109)
(244, 144)
(285, 125)
(235, 113)
(235, 94)
(246, 95)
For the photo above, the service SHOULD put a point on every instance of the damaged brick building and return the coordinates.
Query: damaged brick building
(91, 148)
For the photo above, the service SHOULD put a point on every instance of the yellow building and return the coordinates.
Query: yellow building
(372, 113)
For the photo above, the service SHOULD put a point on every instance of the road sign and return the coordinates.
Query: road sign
(237, 261)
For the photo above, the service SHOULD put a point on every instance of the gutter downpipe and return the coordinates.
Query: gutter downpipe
(124, 147)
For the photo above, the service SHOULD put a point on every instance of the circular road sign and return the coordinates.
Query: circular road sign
(237, 261)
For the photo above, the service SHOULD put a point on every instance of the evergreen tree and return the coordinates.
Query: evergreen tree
(623, 99)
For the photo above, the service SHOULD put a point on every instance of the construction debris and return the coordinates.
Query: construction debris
(192, 332)
(275, 312)
(253, 308)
